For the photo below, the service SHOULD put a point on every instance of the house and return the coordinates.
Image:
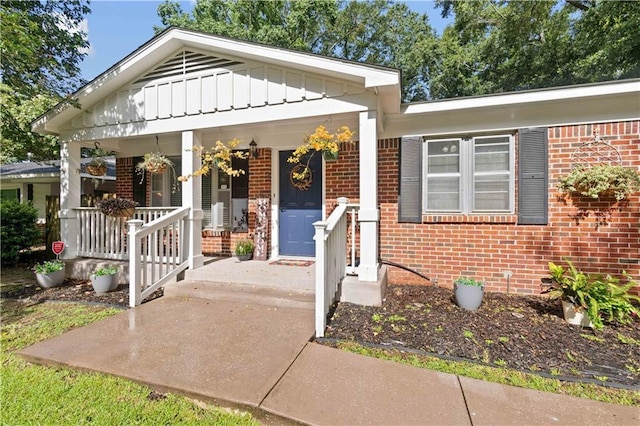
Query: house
(34, 182)
(445, 188)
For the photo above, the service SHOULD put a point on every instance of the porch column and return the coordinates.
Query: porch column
(192, 197)
(368, 215)
(70, 192)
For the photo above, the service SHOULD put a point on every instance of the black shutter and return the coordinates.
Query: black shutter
(139, 186)
(410, 197)
(533, 177)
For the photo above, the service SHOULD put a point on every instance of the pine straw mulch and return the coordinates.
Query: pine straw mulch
(519, 332)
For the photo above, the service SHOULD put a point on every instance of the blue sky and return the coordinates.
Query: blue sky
(118, 27)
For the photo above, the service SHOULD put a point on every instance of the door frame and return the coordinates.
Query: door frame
(275, 199)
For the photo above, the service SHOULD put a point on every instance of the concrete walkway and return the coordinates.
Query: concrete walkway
(259, 358)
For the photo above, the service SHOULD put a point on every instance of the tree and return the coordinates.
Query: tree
(497, 45)
(41, 48)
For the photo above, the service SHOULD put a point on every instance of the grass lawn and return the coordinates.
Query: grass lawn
(34, 394)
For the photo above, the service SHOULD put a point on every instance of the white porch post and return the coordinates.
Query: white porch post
(368, 215)
(70, 191)
(192, 197)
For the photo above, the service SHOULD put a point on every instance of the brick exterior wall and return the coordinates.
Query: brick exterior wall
(597, 236)
(600, 237)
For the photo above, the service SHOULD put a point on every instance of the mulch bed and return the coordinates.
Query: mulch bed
(526, 333)
(72, 290)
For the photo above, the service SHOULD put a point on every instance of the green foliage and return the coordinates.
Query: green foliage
(601, 180)
(48, 267)
(603, 298)
(468, 282)
(41, 47)
(18, 230)
(107, 270)
(244, 246)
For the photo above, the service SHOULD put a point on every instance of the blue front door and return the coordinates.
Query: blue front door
(300, 206)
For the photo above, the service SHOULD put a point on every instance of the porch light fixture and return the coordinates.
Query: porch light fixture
(253, 149)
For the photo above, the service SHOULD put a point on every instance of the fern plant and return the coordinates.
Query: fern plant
(603, 298)
(601, 180)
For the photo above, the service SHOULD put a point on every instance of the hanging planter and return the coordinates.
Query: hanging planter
(154, 163)
(319, 141)
(219, 157)
(117, 207)
(601, 181)
(97, 166)
(330, 156)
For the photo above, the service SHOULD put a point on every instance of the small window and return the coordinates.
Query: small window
(9, 194)
(225, 199)
(469, 175)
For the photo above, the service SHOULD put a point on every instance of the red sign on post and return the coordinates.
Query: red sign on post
(57, 247)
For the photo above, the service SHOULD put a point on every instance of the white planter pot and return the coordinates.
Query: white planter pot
(53, 279)
(103, 283)
(468, 296)
(575, 316)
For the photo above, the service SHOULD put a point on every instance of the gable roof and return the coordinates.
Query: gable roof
(151, 56)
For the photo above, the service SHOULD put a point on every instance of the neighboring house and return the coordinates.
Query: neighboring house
(454, 187)
(33, 182)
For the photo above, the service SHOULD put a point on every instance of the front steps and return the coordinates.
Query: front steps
(241, 293)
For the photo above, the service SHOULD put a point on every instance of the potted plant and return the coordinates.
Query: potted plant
(218, 156)
(117, 207)
(602, 180)
(468, 293)
(49, 273)
(103, 279)
(319, 141)
(590, 299)
(97, 166)
(154, 163)
(244, 249)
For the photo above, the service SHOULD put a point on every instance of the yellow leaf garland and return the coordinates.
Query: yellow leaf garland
(320, 140)
(220, 156)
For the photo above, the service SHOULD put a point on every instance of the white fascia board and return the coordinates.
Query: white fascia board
(542, 95)
(30, 176)
(371, 76)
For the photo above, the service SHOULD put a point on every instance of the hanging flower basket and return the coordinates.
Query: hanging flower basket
(97, 169)
(154, 163)
(330, 156)
(117, 207)
(319, 141)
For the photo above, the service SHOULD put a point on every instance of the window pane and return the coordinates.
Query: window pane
(491, 192)
(157, 190)
(444, 156)
(491, 162)
(443, 193)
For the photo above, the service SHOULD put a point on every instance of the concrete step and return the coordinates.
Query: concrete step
(241, 293)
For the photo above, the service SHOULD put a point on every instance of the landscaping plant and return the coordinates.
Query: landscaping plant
(18, 230)
(48, 267)
(603, 298)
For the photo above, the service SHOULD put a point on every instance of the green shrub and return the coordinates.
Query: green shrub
(106, 270)
(48, 267)
(603, 298)
(18, 229)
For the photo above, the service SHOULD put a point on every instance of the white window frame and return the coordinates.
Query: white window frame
(467, 174)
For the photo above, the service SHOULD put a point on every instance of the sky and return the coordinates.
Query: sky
(116, 28)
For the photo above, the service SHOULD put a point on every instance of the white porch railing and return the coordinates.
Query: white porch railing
(331, 258)
(157, 252)
(105, 237)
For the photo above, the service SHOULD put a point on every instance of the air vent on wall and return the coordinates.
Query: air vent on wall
(185, 63)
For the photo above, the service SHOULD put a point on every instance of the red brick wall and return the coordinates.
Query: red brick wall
(124, 177)
(443, 248)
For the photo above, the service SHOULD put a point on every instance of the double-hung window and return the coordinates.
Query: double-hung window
(469, 175)
(165, 189)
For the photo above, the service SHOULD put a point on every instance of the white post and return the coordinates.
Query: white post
(135, 263)
(70, 191)
(368, 215)
(321, 278)
(192, 197)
